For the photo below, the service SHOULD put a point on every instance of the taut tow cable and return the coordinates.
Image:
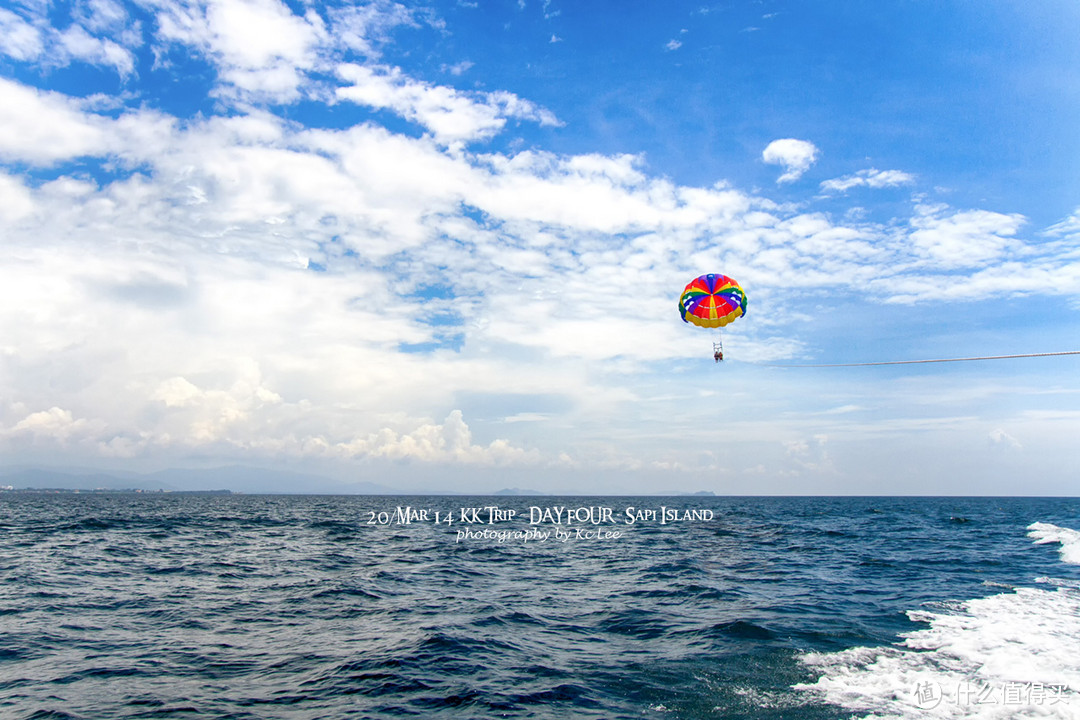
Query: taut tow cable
(919, 362)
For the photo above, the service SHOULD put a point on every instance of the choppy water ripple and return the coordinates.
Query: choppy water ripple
(188, 606)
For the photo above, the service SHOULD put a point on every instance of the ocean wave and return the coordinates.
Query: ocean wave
(1070, 540)
(741, 630)
(1010, 655)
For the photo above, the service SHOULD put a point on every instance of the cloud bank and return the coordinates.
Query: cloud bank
(240, 282)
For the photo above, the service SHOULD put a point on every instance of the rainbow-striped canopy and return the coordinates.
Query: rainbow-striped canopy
(712, 301)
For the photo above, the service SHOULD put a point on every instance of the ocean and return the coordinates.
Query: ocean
(157, 605)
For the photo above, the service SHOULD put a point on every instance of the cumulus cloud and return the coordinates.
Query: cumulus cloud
(47, 420)
(809, 455)
(1000, 438)
(795, 156)
(16, 202)
(55, 424)
(450, 441)
(261, 47)
(971, 238)
(263, 51)
(43, 127)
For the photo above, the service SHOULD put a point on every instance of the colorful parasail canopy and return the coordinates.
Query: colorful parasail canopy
(712, 301)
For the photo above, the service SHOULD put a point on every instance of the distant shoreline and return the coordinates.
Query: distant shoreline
(111, 491)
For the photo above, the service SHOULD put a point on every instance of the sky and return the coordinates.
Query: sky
(440, 245)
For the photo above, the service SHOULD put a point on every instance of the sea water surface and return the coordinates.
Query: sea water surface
(127, 605)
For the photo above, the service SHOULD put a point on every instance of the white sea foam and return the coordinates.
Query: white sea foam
(1069, 539)
(1012, 655)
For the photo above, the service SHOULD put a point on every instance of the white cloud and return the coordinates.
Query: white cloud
(449, 442)
(260, 46)
(45, 128)
(54, 424)
(103, 16)
(41, 127)
(247, 34)
(210, 416)
(16, 202)
(1050, 276)
(1067, 228)
(808, 455)
(264, 51)
(101, 35)
(19, 39)
(795, 156)
(971, 238)
(450, 115)
(1000, 438)
(80, 45)
(458, 69)
(363, 28)
(554, 275)
(870, 178)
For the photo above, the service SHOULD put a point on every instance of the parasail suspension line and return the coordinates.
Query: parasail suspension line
(935, 360)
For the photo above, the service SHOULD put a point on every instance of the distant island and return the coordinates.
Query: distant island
(217, 480)
(111, 491)
(517, 491)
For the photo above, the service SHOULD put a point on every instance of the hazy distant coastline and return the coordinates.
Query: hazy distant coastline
(228, 480)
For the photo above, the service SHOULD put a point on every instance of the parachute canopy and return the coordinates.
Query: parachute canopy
(712, 301)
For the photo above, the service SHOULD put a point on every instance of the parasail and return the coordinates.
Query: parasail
(712, 301)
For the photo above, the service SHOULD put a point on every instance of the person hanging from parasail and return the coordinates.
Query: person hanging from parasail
(712, 301)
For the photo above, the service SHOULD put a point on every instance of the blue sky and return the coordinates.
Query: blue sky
(439, 245)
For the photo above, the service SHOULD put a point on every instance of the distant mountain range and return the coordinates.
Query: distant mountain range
(236, 478)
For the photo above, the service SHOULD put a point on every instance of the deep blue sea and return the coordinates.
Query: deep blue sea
(129, 605)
